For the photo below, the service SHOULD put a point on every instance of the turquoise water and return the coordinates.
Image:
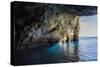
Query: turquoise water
(74, 51)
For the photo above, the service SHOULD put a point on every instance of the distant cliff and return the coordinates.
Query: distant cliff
(40, 24)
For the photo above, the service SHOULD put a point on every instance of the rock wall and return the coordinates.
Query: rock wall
(42, 25)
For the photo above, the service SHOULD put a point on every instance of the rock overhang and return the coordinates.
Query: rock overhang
(35, 17)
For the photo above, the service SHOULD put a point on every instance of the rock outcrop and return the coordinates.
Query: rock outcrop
(41, 24)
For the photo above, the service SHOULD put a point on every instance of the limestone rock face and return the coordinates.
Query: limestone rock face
(42, 24)
(54, 27)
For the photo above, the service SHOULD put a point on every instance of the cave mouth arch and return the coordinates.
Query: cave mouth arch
(36, 20)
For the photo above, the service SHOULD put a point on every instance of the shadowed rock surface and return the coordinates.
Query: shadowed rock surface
(41, 24)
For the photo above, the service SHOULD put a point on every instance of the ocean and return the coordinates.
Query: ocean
(73, 51)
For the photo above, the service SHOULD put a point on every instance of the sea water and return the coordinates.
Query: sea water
(73, 51)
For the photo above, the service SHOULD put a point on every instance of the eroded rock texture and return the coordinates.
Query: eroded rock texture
(41, 24)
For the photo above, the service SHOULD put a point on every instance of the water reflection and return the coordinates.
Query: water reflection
(68, 51)
(72, 51)
(76, 50)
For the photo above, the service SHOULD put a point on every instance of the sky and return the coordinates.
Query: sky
(88, 26)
